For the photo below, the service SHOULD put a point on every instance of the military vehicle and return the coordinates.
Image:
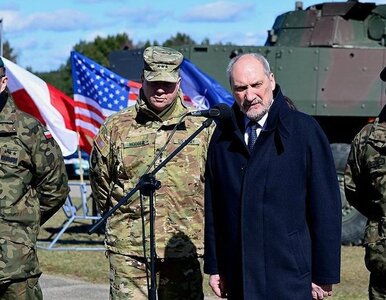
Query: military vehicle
(327, 58)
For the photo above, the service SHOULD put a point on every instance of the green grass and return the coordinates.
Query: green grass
(92, 266)
(354, 275)
(87, 265)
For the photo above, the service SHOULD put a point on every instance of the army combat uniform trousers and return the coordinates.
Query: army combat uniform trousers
(377, 286)
(177, 278)
(26, 289)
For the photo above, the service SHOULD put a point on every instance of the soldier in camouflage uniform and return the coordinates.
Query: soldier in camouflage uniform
(33, 186)
(365, 187)
(123, 150)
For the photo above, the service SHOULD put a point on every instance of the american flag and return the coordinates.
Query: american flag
(98, 93)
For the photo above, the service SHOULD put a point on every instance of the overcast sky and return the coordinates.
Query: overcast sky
(43, 32)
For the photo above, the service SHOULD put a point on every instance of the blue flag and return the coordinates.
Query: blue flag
(202, 90)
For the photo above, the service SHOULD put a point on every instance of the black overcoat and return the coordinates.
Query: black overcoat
(272, 217)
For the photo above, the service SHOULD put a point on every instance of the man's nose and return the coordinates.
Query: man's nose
(249, 94)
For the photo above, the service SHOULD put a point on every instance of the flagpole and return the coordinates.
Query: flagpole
(80, 164)
(82, 184)
(1, 37)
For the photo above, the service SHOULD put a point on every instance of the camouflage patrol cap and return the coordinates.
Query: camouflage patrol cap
(161, 64)
(383, 74)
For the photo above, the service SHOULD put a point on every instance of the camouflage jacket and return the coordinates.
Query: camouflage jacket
(123, 151)
(365, 188)
(33, 186)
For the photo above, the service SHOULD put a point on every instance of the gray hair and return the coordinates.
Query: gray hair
(259, 57)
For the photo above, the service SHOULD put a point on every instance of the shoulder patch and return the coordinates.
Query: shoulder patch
(101, 144)
(9, 156)
(47, 134)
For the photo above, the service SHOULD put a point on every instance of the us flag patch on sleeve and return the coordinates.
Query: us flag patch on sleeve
(47, 134)
(102, 145)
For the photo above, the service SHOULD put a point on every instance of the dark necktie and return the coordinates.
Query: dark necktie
(252, 136)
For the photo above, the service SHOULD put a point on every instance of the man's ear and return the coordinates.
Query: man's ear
(3, 83)
(272, 80)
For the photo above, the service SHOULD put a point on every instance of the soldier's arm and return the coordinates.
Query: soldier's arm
(99, 170)
(50, 174)
(354, 179)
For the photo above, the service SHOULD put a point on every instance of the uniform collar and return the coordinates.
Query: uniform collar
(7, 114)
(145, 114)
(7, 107)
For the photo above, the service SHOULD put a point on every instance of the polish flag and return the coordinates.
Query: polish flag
(50, 106)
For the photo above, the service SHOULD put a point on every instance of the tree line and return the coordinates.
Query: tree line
(98, 50)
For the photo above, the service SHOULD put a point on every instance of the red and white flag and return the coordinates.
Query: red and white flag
(51, 107)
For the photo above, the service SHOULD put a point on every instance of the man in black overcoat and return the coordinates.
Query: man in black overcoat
(273, 207)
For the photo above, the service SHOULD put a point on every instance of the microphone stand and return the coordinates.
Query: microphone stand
(147, 185)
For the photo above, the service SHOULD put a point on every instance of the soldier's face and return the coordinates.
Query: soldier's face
(252, 87)
(160, 94)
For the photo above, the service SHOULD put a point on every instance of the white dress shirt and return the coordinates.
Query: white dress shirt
(261, 123)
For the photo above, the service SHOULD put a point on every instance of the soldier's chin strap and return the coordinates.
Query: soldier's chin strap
(147, 184)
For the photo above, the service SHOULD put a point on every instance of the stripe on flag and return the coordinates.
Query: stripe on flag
(50, 106)
(98, 93)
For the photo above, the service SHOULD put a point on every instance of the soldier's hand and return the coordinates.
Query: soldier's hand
(217, 285)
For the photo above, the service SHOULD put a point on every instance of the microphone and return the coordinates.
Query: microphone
(207, 113)
(221, 111)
